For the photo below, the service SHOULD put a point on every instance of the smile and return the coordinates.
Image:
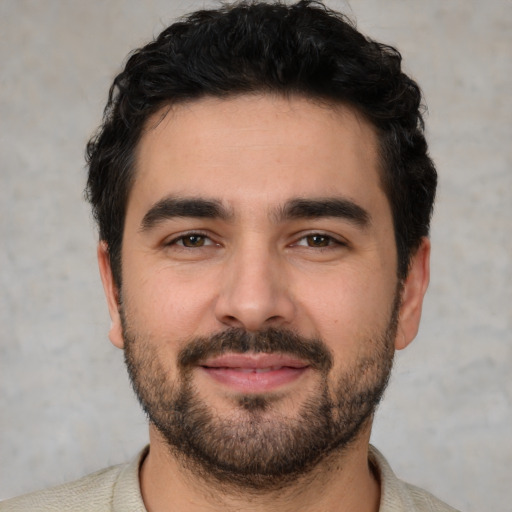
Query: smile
(256, 370)
(254, 373)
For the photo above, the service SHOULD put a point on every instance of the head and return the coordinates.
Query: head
(263, 195)
(302, 49)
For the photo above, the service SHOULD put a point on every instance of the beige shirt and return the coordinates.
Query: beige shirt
(116, 489)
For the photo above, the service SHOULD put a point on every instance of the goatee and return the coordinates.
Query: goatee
(258, 447)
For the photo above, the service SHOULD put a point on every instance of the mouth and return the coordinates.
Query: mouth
(254, 373)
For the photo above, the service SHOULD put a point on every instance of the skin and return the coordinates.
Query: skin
(326, 277)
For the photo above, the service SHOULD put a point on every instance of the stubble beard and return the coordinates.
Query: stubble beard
(256, 447)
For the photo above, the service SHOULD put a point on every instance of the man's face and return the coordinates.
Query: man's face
(260, 300)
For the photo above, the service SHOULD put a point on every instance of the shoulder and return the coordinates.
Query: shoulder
(93, 492)
(426, 502)
(398, 496)
(102, 491)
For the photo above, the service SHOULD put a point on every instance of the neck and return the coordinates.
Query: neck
(342, 482)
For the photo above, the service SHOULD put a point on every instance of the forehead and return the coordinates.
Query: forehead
(250, 150)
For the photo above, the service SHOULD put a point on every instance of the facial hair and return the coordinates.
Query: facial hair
(257, 447)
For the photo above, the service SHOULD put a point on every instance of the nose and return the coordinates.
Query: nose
(254, 293)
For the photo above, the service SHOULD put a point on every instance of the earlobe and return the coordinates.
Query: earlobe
(111, 294)
(413, 291)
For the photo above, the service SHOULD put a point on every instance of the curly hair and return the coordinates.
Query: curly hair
(304, 49)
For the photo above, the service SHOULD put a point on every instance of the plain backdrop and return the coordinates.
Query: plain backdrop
(66, 407)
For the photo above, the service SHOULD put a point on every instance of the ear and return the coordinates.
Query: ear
(413, 291)
(112, 295)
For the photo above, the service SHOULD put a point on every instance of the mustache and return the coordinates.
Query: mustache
(234, 340)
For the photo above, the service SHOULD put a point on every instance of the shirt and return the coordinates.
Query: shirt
(117, 489)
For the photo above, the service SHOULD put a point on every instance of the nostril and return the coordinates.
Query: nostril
(232, 321)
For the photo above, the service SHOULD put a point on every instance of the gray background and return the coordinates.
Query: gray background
(66, 407)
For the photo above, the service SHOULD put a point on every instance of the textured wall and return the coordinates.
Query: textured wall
(65, 403)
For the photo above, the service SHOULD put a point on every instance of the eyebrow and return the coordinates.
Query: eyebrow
(325, 207)
(172, 207)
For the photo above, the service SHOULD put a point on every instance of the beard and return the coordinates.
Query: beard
(257, 447)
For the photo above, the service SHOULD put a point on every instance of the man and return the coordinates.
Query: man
(263, 193)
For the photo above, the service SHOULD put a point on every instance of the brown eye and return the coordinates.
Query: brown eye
(193, 241)
(318, 240)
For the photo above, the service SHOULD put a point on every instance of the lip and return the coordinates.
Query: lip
(254, 373)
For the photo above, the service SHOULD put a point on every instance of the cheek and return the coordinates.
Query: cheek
(346, 307)
(166, 302)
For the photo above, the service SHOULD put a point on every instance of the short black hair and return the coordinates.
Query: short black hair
(249, 47)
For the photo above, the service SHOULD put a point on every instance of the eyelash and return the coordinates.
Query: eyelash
(192, 234)
(331, 242)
